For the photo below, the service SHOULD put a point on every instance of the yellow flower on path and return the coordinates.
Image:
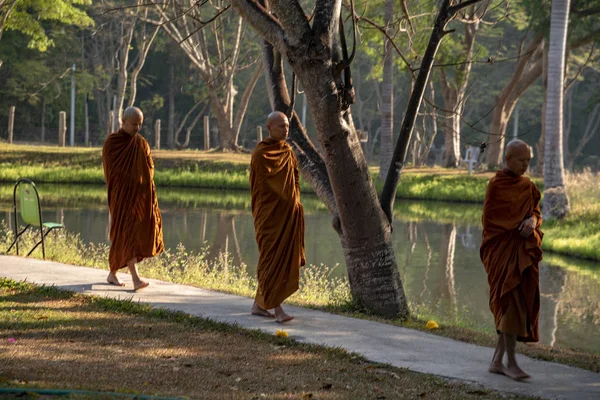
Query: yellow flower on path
(432, 325)
(281, 333)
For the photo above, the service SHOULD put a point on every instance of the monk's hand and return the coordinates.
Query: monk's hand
(527, 226)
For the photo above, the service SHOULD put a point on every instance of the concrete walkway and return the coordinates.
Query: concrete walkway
(400, 347)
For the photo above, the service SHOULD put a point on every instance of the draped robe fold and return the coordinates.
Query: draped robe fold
(136, 222)
(511, 261)
(278, 221)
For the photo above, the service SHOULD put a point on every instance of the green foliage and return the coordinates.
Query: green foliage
(27, 15)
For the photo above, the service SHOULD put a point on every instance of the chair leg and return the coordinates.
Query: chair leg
(42, 243)
(15, 242)
(43, 248)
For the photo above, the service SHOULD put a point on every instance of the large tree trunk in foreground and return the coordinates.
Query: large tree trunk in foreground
(364, 228)
(556, 201)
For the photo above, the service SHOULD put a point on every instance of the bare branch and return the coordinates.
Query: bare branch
(383, 30)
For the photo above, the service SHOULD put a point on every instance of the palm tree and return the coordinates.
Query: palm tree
(386, 152)
(556, 201)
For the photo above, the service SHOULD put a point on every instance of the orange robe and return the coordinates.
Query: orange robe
(511, 261)
(278, 221)
(136, 222)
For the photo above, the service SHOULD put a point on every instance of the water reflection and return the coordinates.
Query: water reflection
(438, 262)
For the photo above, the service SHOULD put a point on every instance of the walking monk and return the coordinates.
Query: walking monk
(511, 251)
(278, 219)
(136, 223)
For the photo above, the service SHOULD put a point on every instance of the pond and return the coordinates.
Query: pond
(436, 245)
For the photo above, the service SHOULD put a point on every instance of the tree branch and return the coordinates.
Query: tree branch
(390, 187)
(241, 111)
(292, 18)
(264, 24)
(454, 9)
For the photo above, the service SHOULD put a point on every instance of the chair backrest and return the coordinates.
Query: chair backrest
(29, 203)
(472, 153)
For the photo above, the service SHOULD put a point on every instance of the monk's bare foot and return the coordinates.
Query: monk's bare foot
(281, 316)
(140, 285)
(113, 280)
(516, 373)
(497, 368)
(261, 312)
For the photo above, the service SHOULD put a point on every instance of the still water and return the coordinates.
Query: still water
(438, 260)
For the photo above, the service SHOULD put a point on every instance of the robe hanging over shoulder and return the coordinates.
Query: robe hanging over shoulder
(511, 261)
(278, 221)
(136, 222)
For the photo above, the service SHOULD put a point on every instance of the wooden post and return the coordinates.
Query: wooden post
(110, 122)
(43, 120)
(87, 123)
(206, 133)
(258, 134)
(11, 123)
(62, 128)
(157, 134)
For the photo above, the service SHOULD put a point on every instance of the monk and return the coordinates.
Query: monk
(511, 252)
(136, 222)
(278, 219)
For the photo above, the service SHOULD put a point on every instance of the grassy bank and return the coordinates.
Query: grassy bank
(199, 169)
(60, 340)
(578, 235)
(317, 290)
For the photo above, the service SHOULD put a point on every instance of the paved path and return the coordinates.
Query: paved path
(400, 347)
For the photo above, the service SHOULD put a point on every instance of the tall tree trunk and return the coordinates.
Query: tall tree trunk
(127, 29)
(541, 144)
(556, 201)
(386, 148)
(365, 232)
(144, 43)
(453, 105)
(528, 69)
(243, 105)
(171, 122)
(455, 92)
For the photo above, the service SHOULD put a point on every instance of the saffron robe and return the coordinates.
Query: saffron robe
(278, 221)
(511, 261)
(136, 222)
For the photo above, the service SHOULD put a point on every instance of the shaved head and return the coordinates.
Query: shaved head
(132, 112)
(278, 125)
(275, 115)
(517, 156)
(133, 118)
(515, 145)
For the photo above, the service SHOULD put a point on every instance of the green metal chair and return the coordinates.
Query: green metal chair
(31, 214)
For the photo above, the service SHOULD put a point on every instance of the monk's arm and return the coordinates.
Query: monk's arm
(487, 202)
(537, 211)
(296, 174)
